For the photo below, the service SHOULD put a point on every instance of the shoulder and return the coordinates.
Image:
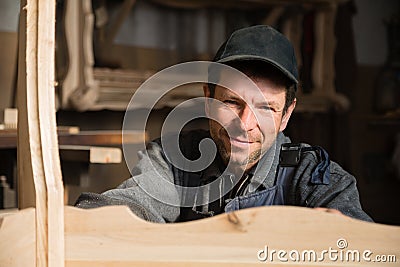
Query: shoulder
(311, 187)
(316, 174)
(311, 158)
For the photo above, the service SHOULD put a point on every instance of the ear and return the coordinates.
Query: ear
(207, 95)
(286, 117)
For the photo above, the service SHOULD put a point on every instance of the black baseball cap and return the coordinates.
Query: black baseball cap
(260, 43)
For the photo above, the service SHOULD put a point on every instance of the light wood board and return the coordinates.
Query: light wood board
(113, 236)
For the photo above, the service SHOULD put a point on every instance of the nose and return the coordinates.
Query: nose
(249, 120)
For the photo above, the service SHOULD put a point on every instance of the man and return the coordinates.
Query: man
(256, 165)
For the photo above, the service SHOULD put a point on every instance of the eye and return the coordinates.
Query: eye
(232, 103)
(266, 108)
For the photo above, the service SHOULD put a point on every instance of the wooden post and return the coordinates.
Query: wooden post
(323, 66)
(79, 88)
(38, 158)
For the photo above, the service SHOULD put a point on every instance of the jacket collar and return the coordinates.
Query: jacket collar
(264, 172)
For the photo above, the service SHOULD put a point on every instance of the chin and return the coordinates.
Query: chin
(239, 160)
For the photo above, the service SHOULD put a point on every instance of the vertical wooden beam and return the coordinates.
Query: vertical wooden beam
(79, 89)
(31, 187)
(323, 66)
(48, 132)
(293, 30)
(26, 189)
(38, 158)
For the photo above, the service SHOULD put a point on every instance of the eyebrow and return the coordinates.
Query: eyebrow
(270, 103)
(232, 96)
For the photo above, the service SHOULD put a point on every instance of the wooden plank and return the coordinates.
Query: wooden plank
(92, 237)
(8, 59)
(79, 89)
(103, 138)
(73, 78)
(37, 139)
(91, 154)
(292, 29)
(8, 138)
(325, 43)
(17, 233)
(10, 118)
(31, 185)
(48, 132)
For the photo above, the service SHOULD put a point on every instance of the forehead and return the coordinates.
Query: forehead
(258, 89)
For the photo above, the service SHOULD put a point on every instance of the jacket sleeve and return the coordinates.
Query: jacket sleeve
(341, 194)
(146, 193)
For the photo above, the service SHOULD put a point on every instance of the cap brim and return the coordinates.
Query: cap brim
(256, 58)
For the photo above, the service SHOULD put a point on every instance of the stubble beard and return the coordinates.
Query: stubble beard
(225, 154)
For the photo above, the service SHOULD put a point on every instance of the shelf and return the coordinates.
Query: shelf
(8, 138)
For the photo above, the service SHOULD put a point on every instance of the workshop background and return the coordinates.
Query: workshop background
(106, 49)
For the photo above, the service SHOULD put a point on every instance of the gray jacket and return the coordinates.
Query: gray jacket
(147, 195)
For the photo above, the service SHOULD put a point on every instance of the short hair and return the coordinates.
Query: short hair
(257, 69)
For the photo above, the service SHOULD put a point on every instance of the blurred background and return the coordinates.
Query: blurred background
(349, 99)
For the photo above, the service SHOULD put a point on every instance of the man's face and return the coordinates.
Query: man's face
(249, 120)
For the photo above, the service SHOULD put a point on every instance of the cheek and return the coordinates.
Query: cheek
(269, 129)
(269, 124)
(224, 116)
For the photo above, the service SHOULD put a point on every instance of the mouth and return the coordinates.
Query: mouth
(240, 141)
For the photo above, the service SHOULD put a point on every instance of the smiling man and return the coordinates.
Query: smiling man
(255, 164)
(253, 114)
